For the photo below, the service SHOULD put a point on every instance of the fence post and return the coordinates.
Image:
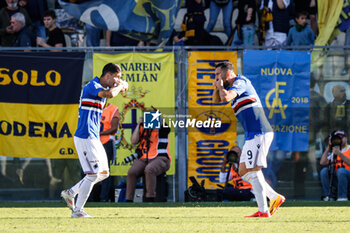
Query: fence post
(181, 98)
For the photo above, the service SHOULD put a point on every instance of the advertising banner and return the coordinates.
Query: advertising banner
(151, 83)
(39, 103)
(208, 145)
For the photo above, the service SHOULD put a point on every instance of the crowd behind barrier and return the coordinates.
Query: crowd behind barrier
(198, 22)
(295, 174)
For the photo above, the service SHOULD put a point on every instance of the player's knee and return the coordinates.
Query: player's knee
(103, 175)
(91, 177)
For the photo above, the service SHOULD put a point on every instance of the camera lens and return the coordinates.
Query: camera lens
(232, 157)
(336, 140)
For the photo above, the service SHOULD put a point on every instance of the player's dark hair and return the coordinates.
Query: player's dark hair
(50, 13)
(111, 68)
(225, 66)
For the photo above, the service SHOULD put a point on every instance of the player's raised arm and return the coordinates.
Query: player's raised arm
(216, 96)
(110, 80)
(227, 96)
(121, 86)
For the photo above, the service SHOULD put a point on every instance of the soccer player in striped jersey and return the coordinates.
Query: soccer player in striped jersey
(258, 133)
(91, 153)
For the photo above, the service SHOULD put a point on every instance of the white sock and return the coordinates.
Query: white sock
(270, 193)
(84, 191)
(258, 183)
(75, 189)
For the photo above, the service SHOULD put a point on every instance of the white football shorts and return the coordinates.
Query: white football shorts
(255, 150)
(92, 155)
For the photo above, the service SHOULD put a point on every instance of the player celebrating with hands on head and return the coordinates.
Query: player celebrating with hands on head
(91, 153)
(258, 133)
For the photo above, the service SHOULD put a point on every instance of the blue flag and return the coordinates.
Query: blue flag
(151, 20)
(282, 81)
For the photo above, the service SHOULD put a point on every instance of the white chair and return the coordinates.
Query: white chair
(68, 40)
(179, 18)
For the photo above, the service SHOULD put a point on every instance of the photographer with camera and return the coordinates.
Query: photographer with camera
(337, 173)
(151, 159)
(241, 190)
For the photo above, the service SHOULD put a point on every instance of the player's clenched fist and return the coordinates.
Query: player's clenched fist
(218, 82)
(125, 85)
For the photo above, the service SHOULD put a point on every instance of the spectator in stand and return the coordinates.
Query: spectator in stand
(36, 10)
(24, 36)
(276, 34)
(301, 33)
(55, 36)
(93, 35)
(7, 34)
(193, 26)
(337, 113)
(215, 7)
(245, 23)
(309, 6)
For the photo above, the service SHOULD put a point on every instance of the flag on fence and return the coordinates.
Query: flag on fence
(151, 20)
(333, 18)
(281, 79)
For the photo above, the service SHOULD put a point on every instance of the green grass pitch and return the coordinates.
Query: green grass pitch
(293, 216)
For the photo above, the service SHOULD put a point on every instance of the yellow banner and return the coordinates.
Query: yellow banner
(151, 83)
(38, 130)
(206, 148)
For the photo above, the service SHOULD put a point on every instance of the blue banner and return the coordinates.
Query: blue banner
(151, 20)
(282, 81)
(344, 18)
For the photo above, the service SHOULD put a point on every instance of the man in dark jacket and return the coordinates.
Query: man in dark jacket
(7, 35)
(24, 36)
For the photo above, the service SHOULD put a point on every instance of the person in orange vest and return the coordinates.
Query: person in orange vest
(152, 159)
(109, 126)
(241, 190)
(336, 158)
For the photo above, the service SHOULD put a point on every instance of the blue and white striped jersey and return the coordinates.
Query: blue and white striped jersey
(90, 110)
(248, 108)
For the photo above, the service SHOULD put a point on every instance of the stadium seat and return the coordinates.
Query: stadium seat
(223, 37)
(68, 40)
(219, 27)
(179, 19)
